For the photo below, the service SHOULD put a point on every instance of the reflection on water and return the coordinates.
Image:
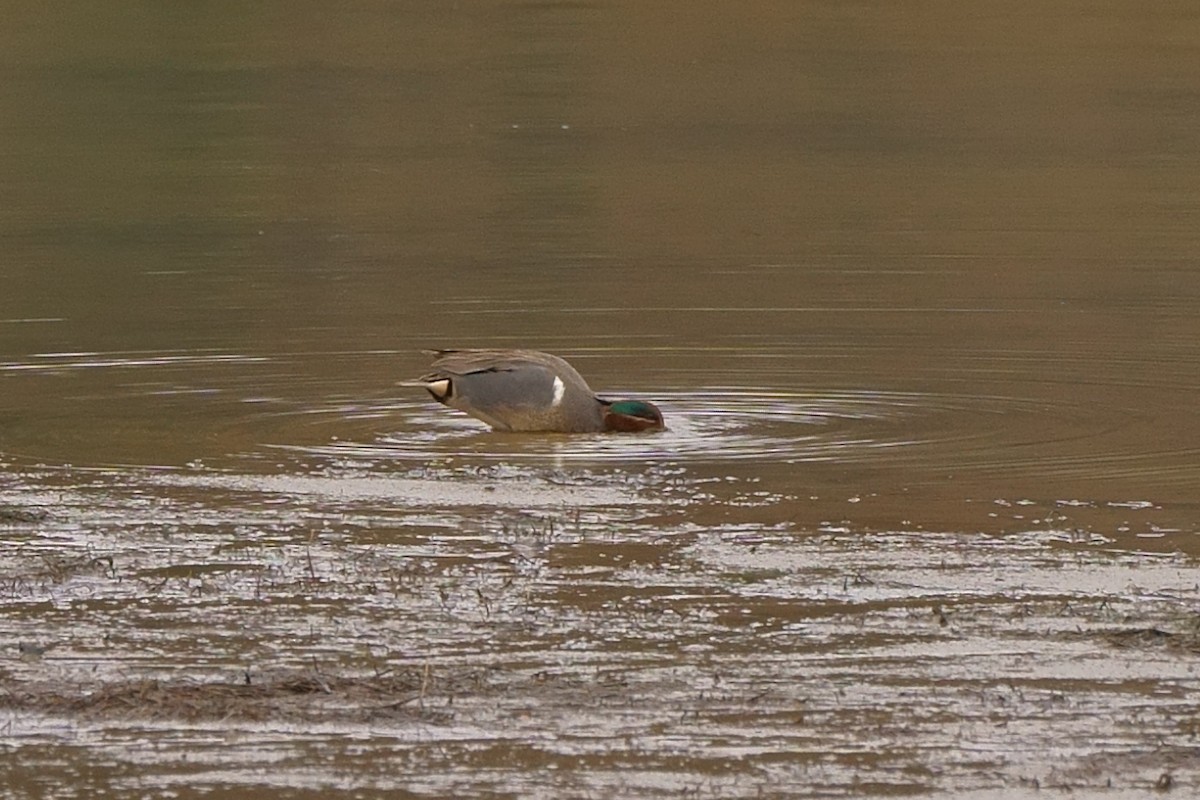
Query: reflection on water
(915, 289)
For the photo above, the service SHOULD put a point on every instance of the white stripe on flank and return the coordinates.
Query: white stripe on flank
(560, 389)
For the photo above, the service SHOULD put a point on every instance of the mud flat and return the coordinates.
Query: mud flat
(506, 633)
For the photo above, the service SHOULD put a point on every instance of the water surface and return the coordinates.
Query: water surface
(915, 289)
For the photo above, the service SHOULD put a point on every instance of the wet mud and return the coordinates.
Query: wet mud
(570, 637)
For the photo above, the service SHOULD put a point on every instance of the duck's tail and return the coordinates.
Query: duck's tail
(438, 386)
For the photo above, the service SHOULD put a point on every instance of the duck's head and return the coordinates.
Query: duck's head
(630, 416)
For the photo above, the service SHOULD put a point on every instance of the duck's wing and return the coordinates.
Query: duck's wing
(467, 362)
(508, 386)
(524, 390)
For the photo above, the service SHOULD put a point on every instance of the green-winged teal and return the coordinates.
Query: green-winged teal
(524, 390)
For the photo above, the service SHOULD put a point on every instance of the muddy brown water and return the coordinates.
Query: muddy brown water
(916, 289)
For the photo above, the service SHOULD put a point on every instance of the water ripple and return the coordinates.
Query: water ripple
(715, 425)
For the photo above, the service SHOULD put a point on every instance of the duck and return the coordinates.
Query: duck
(529, 391)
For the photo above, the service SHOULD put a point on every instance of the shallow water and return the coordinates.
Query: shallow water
(916, 293)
